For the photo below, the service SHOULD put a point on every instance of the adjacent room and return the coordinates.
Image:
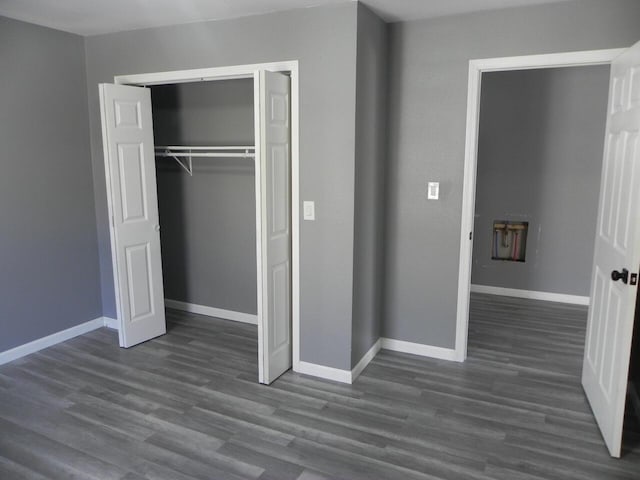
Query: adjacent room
(539, 136)
(320, 239)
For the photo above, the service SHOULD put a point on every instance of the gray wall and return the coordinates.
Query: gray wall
(539, 160)
(50, 277)
(370, 157)
(208, 221)
(324, 42)
(428, 92)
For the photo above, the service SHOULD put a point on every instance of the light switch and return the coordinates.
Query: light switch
(309, 210)
(433, 190)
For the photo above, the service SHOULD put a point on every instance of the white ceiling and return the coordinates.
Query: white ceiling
(92, 17)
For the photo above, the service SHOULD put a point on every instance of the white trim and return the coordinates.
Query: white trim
(49, 340)
(476, 68)
(550, 60)
(366, 358)
(212, 311)
(257, 130)
(204, 74)
(328, 373)
(419, 349)
(531, 294)
(346, 376)
(295, 212)
(111, 323)
(245, 71)
(336, 374)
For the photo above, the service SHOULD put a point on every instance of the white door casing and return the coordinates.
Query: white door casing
(127, 135)
(617, 247)
(273, 209)
(476, 69)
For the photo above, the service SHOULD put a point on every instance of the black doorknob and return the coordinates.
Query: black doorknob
(624, 275)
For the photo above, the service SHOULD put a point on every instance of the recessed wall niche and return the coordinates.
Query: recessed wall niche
(509, 241)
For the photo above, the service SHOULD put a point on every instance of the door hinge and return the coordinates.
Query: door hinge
(470, 235)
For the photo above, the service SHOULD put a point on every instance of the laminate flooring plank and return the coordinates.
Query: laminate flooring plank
(187, 406)
(272, 467)
(16, 471)
(50, 458)
(205, 450)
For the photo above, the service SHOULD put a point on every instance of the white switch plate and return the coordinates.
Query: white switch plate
(309, 210)
(433, 190)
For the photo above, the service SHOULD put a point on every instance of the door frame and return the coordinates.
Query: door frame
(238, 72)
(476, 68)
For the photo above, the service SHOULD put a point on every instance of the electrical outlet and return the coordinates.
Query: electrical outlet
(309, 210)
(433, 190)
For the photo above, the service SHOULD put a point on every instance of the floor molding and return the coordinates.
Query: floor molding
(111, 323)
(44, 342)
(366, 358)
(328, 373)
(336, 374)
(419, 349)
(531, 294)
(212, 311)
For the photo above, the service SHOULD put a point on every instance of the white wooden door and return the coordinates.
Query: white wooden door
(273, 172)
(127, 136)
(617, 249)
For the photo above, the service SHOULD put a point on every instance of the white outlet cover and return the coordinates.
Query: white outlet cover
(309, 210)
(433, 190)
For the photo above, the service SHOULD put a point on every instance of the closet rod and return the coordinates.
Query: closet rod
(188, 152)
(206, 154)
(182, 147)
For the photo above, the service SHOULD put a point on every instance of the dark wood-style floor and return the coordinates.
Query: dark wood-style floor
(187, 406)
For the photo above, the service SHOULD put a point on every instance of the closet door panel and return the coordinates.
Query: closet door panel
(133, 209)
(274, 205)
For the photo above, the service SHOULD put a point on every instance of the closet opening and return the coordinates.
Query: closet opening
(202, 185)
(205, 175)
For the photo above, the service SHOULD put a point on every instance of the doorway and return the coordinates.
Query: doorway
(133, 205)
(538, 182)
(612, 302)
(476, 69)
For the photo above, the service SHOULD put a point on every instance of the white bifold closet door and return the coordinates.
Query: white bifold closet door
(273, 208)
(133, 208)
(127, 136)
(617, 255)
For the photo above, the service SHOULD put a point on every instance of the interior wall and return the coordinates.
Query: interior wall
(208, 220)
(427, 100)
(50, 278)
(370, 157)
(540, 150)
(323, 40)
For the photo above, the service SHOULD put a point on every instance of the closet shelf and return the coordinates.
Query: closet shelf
(178, 153)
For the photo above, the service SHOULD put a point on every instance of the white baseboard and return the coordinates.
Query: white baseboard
(111, 323)
(364, 361)
(346, 376)
(419, 349)
(328, 373)
(212, 311)
(533, 295)
(49, 340)
(336, 374)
